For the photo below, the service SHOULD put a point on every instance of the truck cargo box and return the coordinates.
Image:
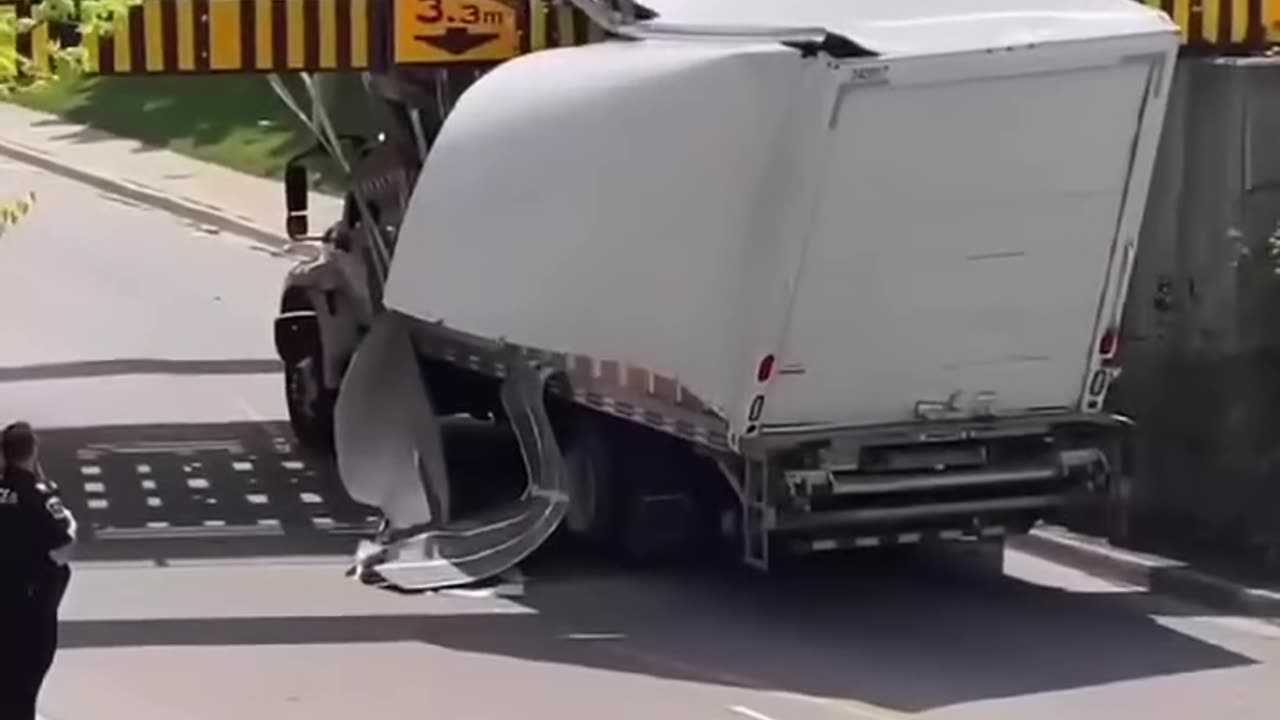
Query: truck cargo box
(942, 221)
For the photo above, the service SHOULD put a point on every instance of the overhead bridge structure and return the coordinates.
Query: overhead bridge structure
(282, 36)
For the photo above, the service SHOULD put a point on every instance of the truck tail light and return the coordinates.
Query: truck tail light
(1109, 343)
(764, 370)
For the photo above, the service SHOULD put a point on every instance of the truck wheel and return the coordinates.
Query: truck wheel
(624, 500)
(310, 403)
(587, 463)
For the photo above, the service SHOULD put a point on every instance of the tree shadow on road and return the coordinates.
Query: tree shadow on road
(908, 640)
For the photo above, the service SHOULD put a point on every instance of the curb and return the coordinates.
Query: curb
(184, 207)
(1155, 574)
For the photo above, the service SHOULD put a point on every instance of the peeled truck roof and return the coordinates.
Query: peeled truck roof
(928, 27)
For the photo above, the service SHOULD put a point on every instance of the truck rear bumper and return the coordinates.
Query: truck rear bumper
(964, 499)
(934, 512)
(955, 481)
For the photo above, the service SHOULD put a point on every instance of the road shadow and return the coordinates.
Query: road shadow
(909, 640)
(199, 490)
(908, 636)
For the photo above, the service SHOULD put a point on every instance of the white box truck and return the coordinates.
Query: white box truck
(793, 275)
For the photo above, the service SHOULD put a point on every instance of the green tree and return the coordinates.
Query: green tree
(91, 17)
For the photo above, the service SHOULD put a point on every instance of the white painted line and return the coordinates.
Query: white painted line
(197, 483)
(353, 529)
(1252, 626)
(143, 468)
(1150, 561)
(846, 706)
(242, 466)
(748, 712)
(497, 591)
(95, 487)
(97, 504)
(310, 498)
(257, 498)
(820, 545)
(291, 465)
(90, 470)
(863, 542)
(909, 538)
(147, 447)
(153, 532)
(148, 484)
(153, 501)
(593, 636)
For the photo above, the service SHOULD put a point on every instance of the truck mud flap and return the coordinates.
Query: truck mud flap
(390, 455)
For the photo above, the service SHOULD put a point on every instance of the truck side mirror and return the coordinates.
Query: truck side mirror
(295, 200)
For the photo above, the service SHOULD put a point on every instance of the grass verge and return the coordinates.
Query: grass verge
(232, 120)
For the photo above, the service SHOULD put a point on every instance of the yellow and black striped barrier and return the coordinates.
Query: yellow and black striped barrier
(1232, 26)
(211, 36)
(202, 36)
(236, 36)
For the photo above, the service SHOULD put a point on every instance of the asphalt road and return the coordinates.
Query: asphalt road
(213, 586)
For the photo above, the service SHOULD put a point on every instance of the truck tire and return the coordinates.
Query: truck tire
(587, 463)
(620, 502)
(310, 403)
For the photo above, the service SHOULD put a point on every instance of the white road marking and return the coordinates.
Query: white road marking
(497, 591)
(748, 712)
(594, 636)
(847, 706)
(158, 531)
(1249, 625)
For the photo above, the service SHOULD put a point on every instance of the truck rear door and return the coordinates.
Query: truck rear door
(962, 246)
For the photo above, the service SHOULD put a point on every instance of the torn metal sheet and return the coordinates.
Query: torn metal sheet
(390, 455)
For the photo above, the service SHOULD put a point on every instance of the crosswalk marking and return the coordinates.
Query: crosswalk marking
(249, 487)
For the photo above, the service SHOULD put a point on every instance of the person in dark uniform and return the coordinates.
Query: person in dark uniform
(36, 536)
